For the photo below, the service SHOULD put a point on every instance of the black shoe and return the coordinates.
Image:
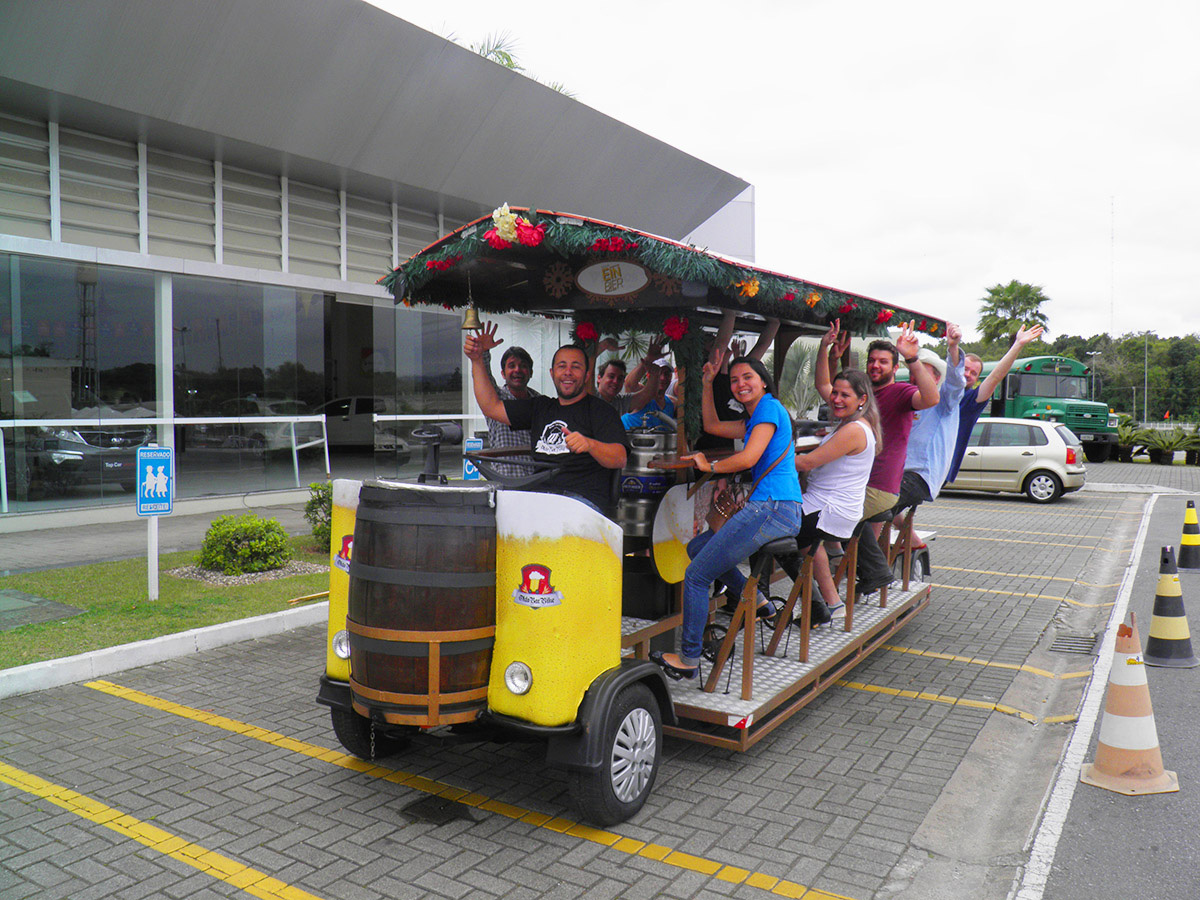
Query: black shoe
(769, 612)
(869, 587)
(671, 671)
(820, 614)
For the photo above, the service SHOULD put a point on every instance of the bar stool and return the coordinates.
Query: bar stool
(900, 548)
(745, 615)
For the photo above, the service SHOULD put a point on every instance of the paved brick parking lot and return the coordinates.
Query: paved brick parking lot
(222, 777)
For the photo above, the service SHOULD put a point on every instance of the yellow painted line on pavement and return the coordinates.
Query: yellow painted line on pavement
(975, 590)
(1006, 574)
(1028, 575)
(954, 701)
(934, 509)
(976, 661)
(666, 855)
(252, 881)
(975, 537)
(1025, 531)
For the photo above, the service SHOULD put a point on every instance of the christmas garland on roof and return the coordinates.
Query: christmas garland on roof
(762, 292)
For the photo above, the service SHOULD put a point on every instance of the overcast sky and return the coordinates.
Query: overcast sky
(915, 152)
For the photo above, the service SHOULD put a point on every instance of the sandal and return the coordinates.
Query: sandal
(675, 672)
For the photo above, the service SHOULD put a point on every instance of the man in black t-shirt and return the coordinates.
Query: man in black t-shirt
(575, 428)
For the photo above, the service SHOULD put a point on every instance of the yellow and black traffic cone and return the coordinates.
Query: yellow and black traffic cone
(1189, 544)
(1170, 642)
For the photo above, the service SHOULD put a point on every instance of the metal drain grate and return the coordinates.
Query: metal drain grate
(1075, 643)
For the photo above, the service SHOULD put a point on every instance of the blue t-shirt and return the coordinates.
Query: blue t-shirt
(969, 409)
(935, 430)
(782, 482)
(643, 418)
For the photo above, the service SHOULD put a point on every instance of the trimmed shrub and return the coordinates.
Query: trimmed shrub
(235, 545)
(319, 510)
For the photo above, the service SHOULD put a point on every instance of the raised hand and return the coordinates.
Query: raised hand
(713, 367)
(610, 344)
(907, 343)
(1026, 336)
(830, 337)
(737, 349)
(487, 337)
(953, 333)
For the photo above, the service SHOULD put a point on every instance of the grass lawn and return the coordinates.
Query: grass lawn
(114, 595)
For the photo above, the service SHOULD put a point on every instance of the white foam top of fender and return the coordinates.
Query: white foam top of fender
(345, 492)
(530, 515)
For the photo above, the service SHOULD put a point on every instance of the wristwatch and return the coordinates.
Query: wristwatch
(909, 362)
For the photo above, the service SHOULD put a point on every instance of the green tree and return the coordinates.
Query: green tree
(1009, 306)
(501, 48)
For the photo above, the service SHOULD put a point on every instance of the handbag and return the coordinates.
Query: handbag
(725, 504)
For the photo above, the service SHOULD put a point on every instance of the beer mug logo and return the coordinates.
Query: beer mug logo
(342, 560)
(535, 590)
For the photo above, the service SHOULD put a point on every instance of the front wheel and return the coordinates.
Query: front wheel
(1043, 487)
(354, 732)
(1097, 452)
(632, 753)
(919, 569)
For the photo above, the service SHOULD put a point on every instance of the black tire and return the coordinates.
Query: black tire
(632, 753)
(354, 733)
(1097, 453)
(1043, 487)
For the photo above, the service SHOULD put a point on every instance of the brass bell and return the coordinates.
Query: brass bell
(471, 320)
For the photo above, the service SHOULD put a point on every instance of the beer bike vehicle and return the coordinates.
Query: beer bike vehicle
(466, 609)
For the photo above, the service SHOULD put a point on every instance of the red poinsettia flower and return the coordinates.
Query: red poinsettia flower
(923, 325)
(492, 236)
(530, 235)
(846, 307)
(675, 327)
(586, 331)
(885, 316)
(789, 297)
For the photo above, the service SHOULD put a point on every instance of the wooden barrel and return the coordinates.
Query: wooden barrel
(422, 602)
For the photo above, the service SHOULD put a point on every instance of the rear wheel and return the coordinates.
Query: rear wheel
(919, 565)
(1097, 453)
(1043, 487)
(355, 734)
(632, 753)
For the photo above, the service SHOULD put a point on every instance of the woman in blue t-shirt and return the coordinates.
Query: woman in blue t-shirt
(770, 513)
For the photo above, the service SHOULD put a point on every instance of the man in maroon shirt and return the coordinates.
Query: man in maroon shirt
(897, 403)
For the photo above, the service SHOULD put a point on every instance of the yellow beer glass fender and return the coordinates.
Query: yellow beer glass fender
(679, 519)
(558, 603)
(341, 543)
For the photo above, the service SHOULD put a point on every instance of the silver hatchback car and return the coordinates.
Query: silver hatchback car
(1042, 460)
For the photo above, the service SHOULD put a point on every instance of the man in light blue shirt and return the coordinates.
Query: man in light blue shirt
(934, 431)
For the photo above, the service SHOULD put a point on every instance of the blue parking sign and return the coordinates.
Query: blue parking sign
(155, 481)
(470, 473)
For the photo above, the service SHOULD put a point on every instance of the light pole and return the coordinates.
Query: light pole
(1133, 387)
(1092, 366)
(1146, 380)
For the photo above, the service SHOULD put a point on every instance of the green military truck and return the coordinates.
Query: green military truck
(1056, 389)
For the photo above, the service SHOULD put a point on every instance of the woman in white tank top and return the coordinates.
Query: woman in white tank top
(838, 470)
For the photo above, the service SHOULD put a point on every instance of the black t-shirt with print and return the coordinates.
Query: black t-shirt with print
(545, 418)
(728, 410)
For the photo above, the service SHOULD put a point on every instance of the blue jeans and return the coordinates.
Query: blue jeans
(717, 555)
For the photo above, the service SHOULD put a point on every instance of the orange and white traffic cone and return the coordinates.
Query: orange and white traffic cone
(1189, 544)
(1128, 758)
(1170, 642)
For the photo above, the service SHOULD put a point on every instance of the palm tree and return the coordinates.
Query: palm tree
(501, 48)
(1009, 306)
(797, 389)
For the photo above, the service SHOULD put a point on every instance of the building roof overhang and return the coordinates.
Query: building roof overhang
(340, 93)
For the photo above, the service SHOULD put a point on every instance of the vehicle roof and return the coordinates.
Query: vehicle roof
(471, 264)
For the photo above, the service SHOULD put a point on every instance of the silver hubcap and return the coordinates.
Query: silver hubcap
(633, 755)
(1041, 487)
